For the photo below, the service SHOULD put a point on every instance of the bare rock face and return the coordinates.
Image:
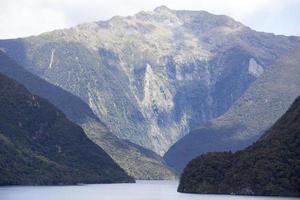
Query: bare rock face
(153, 76)
(254, 68)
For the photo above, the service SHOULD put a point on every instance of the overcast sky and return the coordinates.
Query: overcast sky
(19, 18)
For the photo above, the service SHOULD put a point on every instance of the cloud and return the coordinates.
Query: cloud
(19, 18)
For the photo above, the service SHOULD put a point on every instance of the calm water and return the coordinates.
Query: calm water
(142, 190)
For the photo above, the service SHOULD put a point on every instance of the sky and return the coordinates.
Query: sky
(20, 18)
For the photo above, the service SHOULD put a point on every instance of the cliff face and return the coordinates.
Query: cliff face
(39, 145)
(268, 167)
(246, 120)
(153, 76)
(132, 158)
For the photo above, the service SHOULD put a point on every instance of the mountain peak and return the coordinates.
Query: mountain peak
(162, 8)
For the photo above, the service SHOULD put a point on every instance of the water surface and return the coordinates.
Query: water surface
(142, 190)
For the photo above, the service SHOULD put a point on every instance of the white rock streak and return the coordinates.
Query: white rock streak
(51, 58)
(254, 68)
(156, 92)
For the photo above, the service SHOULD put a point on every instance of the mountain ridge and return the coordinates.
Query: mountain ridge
(157, 73)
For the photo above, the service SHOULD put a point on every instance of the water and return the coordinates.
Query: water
(142, 190)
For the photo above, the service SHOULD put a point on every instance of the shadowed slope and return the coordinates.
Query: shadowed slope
(39, 145)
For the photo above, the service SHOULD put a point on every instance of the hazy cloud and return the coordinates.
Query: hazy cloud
(20, 18)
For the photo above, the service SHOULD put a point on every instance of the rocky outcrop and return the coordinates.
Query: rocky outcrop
(153, 76)
(254, 112)
(268, 167)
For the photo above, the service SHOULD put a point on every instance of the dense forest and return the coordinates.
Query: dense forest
(271, 166)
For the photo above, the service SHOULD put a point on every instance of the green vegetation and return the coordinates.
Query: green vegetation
(39, 145)
(271, 166)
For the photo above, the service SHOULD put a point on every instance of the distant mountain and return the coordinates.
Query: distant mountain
(268, 167)
(256, 110)
(129, 156)
(153, 76)
(39, 145)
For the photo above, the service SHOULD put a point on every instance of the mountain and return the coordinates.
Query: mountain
(139, 162)
(268, 167)
(153, 76)
(132, 158)
(246, 120)
(39, 145)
